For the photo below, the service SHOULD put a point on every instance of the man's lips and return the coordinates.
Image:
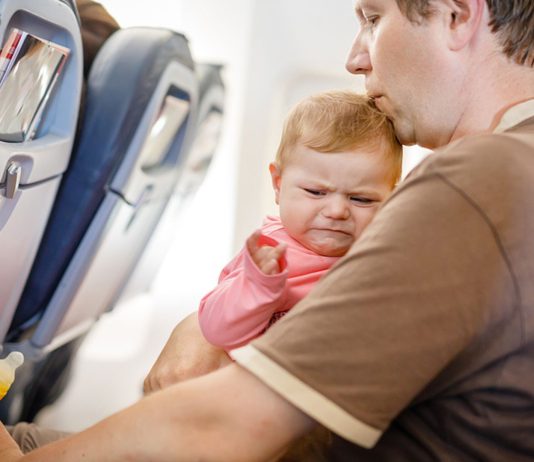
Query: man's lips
(382, 104)
(376, 98)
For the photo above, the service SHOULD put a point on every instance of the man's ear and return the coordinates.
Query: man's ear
(276, 179)
(463, 21)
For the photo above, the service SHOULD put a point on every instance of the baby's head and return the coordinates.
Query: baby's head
(338, 160)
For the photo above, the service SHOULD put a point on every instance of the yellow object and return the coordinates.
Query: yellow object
(7, 370)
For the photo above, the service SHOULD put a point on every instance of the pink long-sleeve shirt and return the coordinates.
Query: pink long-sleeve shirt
(246, 300)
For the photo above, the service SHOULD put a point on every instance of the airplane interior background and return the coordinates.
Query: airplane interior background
(272, 53)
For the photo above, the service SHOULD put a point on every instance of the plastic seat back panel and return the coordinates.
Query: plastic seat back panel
(42, 160)
(108, 205)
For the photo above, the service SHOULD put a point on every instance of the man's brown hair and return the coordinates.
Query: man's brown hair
(511, 20)
(337, 121)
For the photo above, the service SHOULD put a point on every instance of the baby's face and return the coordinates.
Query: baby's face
(327, 199)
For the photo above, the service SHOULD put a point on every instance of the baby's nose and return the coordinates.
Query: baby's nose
(337, 208)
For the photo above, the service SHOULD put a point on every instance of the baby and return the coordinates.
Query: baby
(338, 160)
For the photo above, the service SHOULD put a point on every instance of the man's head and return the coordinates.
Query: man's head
(337, 162)
(511, 20)
(441, 69)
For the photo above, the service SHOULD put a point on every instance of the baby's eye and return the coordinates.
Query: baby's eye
(362, 200)
(314, 192)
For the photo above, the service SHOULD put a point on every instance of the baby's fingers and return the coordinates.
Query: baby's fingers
(253, 242)
(270, 266)
(268, 258)
(280, 250)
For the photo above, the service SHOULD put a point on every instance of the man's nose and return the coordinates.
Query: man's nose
(337, 208)
(358, 60)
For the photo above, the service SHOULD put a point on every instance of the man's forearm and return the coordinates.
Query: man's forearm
(228, 415)
(187, 354)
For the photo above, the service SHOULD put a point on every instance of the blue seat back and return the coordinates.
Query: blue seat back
(124, 77)
(207, 130)
(34, 167)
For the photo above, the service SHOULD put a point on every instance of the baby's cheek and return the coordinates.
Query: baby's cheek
(361, 225)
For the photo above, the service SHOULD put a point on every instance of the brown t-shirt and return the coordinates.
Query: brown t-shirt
(419, 343)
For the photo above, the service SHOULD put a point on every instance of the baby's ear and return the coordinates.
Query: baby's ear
(276, 179)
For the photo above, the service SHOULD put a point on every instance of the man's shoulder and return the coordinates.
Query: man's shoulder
(476, 160)
(494, 172)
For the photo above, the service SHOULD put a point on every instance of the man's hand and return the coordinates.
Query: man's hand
(9, 450)
(186, 354)
(266, 257)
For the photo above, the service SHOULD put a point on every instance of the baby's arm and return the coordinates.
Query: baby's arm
(250, 290)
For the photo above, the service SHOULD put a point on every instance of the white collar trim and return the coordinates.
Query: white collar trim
(515, 115)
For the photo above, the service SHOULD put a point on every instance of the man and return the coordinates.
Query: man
(420, 343)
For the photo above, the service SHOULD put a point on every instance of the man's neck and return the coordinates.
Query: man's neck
(490, 96)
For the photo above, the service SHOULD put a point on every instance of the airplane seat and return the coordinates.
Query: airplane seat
(33, 160)
(72, 5)
(208, 125)
(138, 122)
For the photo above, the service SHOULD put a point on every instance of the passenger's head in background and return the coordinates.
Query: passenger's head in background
(442, 69)
(97, 25)
(338, 160)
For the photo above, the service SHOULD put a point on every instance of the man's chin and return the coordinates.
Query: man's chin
(405, 135)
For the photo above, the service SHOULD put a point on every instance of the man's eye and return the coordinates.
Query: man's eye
(314, 192)
(371, 21)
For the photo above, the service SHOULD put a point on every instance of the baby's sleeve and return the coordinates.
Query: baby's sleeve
(240, 307)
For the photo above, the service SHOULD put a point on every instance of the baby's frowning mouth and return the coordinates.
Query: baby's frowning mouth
(334, 230)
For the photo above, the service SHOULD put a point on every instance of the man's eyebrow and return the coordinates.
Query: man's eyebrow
(359, 12)
(358, 9)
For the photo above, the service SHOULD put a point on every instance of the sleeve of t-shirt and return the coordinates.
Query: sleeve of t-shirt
(240, 307)
(408, 298)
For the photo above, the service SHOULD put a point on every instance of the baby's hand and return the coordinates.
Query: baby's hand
(266, 257)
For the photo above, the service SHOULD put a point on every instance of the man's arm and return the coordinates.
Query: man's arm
(187, 354)
(9, 450)
(228, 415)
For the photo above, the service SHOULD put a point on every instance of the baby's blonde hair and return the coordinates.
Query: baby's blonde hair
(337, 121)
